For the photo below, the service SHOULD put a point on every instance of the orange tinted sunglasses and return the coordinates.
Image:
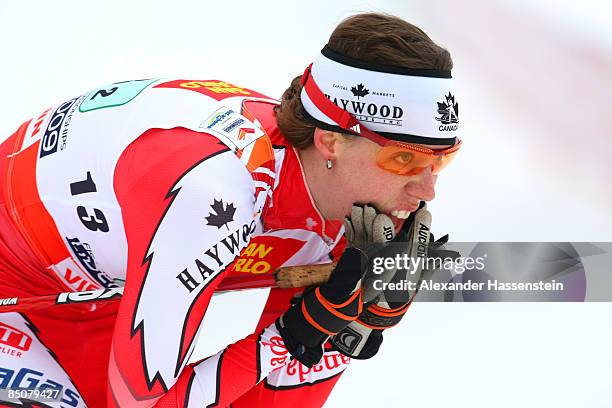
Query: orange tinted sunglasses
(409, 159)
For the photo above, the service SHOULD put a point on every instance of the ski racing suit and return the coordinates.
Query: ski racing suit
(167, 190)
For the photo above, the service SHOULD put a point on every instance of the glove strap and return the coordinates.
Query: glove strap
(362, 338)
(327, 317)
(308, 324)
(378, 318)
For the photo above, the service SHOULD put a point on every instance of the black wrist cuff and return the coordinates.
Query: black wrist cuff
(308, 356)
(345, 276)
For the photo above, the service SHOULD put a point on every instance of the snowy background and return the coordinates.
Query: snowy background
(535, 108)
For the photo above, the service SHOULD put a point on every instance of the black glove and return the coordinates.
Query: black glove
(362, 338)
(325, 310)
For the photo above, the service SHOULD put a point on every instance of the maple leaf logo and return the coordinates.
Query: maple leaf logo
(449, 109)
(220, 216)
(360, 91)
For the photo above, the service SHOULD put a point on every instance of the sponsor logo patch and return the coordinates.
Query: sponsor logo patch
(295, 374)
(56, 133)
(214, 259)
(9, 301)
(88, 296)
(363, 108)
(84, 254)
(449, 113)
(215, 89)
(13, 342)
(28, 378)
(264, 254)
(232, 128)
(74, 276)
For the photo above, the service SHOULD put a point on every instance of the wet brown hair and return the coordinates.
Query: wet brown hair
(370, 37)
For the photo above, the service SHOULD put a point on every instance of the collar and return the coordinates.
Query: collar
(292, 206)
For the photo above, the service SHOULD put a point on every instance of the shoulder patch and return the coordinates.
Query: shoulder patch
(215, 89)
(232, 128)
(116, 94)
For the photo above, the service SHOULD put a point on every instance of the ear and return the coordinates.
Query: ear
(326, 143)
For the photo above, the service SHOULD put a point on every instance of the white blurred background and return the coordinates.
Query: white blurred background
(536, 92)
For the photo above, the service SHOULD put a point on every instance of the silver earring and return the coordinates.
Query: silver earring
(329, 164)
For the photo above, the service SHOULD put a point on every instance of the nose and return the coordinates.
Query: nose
(422, 185)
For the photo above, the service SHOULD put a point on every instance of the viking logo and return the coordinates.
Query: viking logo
(449, 109)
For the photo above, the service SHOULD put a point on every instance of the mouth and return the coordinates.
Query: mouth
(399, 216)
(398, 223)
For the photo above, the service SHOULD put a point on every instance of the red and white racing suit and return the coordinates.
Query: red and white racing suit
(180, 188)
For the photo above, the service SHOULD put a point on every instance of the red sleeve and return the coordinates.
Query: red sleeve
(188, 205)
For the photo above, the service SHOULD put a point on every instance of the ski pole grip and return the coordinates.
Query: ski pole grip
(303, 275)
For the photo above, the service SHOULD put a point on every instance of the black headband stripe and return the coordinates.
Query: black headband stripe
(399, 137)
(389, 69)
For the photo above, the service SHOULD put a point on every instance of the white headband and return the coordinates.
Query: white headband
(413, 106)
